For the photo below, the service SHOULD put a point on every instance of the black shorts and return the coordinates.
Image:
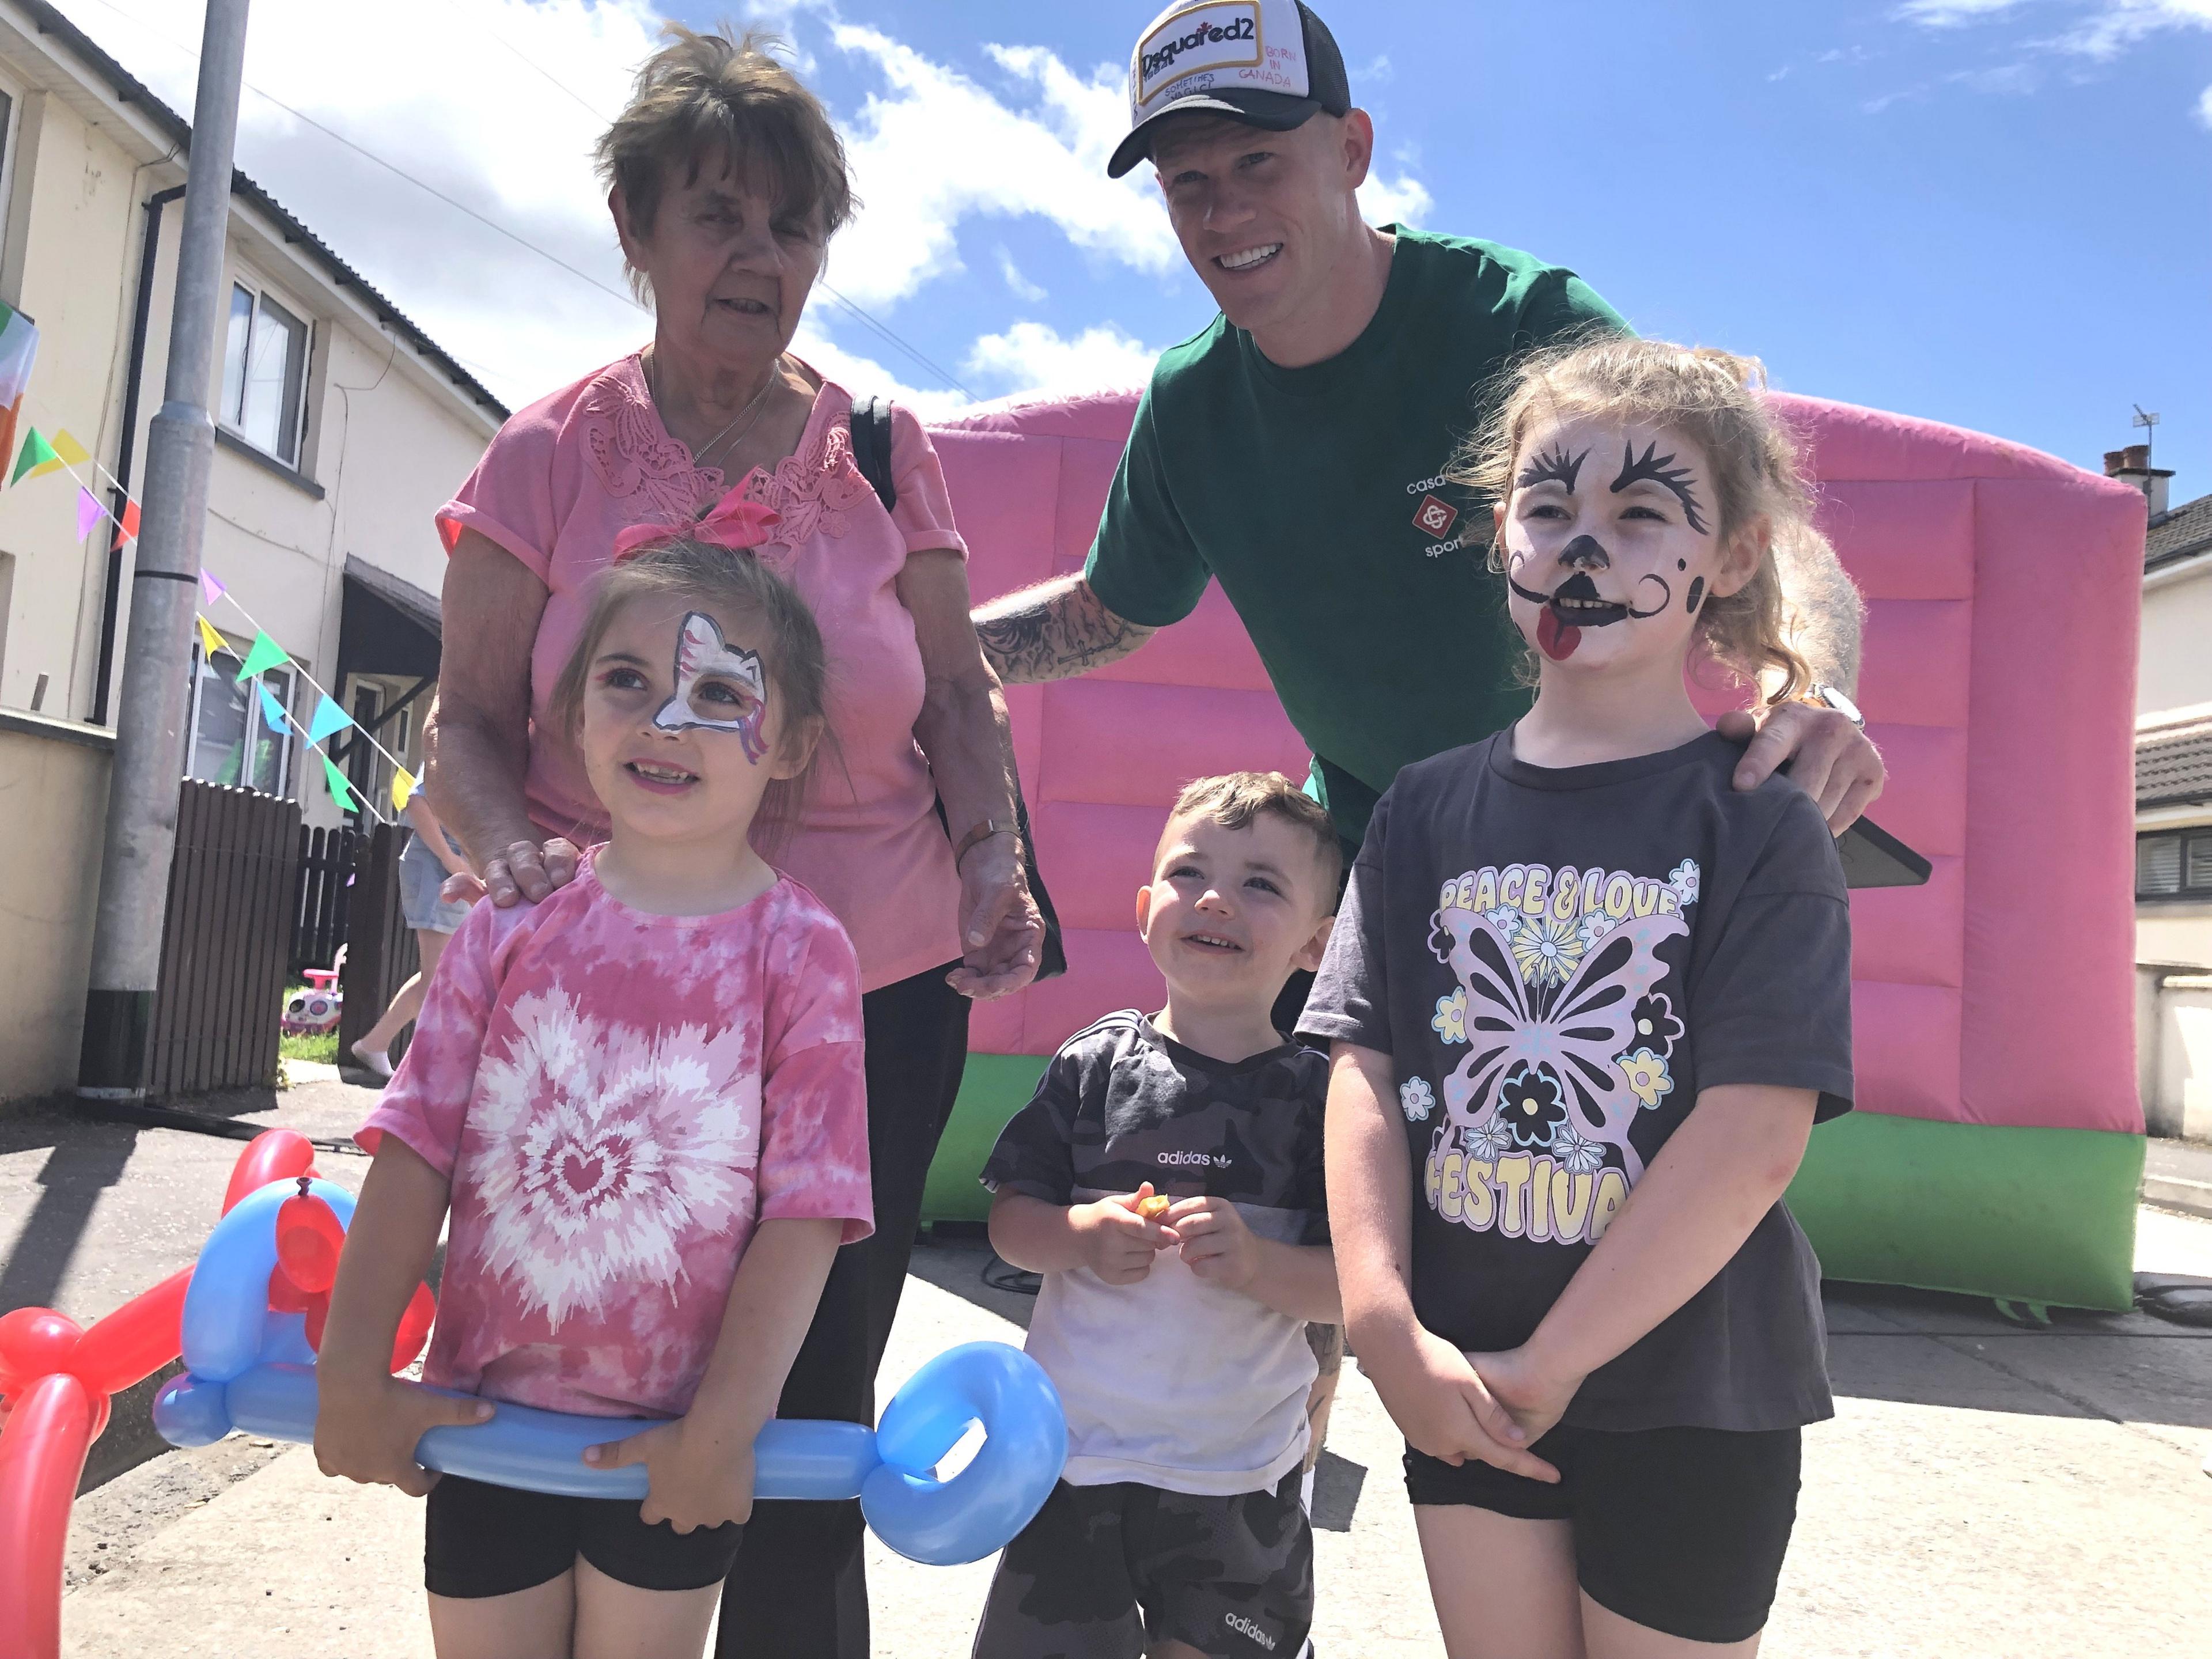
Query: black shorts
(481, 1540)
(1680, 1529)
(1103, 1571)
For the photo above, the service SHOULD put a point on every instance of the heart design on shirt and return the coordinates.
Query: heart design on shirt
(586, 1173)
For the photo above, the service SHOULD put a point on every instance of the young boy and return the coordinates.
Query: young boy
(1166, 1180)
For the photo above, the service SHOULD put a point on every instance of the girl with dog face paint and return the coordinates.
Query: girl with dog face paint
(1610, 551)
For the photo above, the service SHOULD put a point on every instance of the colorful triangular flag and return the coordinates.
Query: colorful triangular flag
(213, 589)
(341, 790)
(70, 450)
(403, 785)
(89, 512)
(266, 654)
(329, 720)
(210, 642)
(18, 349)
(272, 712)
(38, 456)
(128, 529)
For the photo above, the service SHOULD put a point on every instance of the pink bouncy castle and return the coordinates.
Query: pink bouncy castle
(1998, 1143)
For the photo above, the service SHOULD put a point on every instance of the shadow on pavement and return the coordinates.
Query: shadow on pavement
(1925, 1348)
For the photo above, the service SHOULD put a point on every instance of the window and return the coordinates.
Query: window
(230, 741)
(2175, 864)
(264, 371)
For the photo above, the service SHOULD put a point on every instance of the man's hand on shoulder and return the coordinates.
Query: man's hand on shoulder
(1828, 757)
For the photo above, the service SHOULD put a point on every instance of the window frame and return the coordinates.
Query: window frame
(2192, 845)
(231, 420)
(202, 671)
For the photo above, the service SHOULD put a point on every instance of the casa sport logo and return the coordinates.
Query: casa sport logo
(1223, 36)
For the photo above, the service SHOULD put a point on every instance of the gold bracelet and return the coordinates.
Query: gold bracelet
(981, 833)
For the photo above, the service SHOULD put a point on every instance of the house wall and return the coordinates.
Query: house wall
(72, 247)
(2176, 667)
(2174, 1051)
(53, 803)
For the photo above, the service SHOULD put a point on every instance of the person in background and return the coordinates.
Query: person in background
(429, 857)
(726, 182)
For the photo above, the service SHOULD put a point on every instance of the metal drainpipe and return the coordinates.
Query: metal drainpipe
(115, 1062)
(125, 453)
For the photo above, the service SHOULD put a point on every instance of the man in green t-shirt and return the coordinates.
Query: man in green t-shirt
(1293, 450)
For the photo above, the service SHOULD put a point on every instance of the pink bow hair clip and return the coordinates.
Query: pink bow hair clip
(733, 522)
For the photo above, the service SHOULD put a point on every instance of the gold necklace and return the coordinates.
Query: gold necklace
(699, 455)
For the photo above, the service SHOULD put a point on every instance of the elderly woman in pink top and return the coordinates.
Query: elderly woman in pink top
(726, 182)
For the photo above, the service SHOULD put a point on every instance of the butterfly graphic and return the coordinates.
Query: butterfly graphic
(1568, 1023)
(703, 656)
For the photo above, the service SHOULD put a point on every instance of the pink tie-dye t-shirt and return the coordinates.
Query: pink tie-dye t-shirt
(619, 1099)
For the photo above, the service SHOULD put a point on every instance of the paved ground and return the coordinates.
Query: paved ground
(1985, 1489)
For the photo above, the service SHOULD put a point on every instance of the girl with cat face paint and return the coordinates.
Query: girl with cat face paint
(1586, 1001)
(642, 1102)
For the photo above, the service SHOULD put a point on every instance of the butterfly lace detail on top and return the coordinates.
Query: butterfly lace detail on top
(636, 459)
(813, 489)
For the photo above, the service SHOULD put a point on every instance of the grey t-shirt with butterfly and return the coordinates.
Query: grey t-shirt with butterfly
(1556, 961)
(1173, 1381)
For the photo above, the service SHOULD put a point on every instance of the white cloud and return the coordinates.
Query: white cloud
(1031, 356)
(1949, 14)
(2109, 28)
(933, 148)
(938, 148)
(1018, 285)
(1403, 200)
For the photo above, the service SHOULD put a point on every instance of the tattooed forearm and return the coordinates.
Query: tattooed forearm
(1823, 607)
(1052, 631)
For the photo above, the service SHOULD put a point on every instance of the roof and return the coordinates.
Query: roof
(130, 90)
(2178, 533)
(2173, 764)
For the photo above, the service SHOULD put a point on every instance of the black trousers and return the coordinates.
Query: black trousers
(800, 1590)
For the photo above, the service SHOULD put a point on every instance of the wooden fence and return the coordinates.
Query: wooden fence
(224, 941)
(380, 950)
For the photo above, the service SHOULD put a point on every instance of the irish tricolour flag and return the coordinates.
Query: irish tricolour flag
(19, 345)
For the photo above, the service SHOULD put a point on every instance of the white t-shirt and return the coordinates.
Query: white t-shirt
(1173, 1381)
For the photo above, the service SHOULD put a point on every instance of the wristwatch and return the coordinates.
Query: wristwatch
(1828, 697)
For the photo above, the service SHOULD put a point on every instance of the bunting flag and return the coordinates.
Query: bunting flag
(127, 531)
(18, 349)
(208, 585)
(211, 643)
(341, 790)
(329, 720)
(266, 654)
(403, 787)
(89, 512)
(70, 450)
(272, 712)
(37, 457)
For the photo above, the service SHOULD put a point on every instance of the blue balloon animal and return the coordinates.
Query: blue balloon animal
(248, 1368)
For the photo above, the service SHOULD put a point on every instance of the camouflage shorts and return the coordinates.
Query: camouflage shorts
(1104, 1570)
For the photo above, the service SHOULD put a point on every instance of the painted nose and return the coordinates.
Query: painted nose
(1584, 553)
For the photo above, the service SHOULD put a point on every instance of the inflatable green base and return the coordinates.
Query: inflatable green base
(2027, 1215)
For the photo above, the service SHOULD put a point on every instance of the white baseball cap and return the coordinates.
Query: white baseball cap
(1269, 63)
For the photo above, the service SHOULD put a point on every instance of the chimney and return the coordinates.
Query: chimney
(2133, 464)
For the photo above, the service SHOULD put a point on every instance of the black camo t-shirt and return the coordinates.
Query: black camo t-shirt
(1174, 1382)
(1557, 960)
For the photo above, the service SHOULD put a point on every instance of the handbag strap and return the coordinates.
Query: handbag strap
(872, 447)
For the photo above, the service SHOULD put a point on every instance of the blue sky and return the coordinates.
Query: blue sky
(1989, 212)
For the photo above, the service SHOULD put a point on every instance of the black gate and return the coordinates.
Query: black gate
(328, 859)
(380, 950)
